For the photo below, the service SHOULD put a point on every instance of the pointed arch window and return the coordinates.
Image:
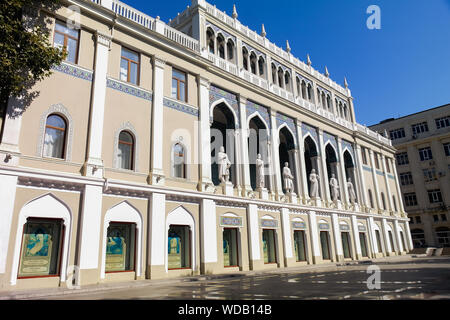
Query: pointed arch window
(55, 137)
(125, 151)
(179, 161)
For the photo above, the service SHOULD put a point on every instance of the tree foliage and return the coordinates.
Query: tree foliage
(26, 52)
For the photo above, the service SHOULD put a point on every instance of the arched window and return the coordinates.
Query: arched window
(221, 46)
(126, 149)
(245, 58)
(280, 78)
(253, 61)
(261, 68)
(55, 137)
(179, 162)
(274, 74)
(287, 81)
(210, 40)
(230, 51)
(310, 93)
(370, 198)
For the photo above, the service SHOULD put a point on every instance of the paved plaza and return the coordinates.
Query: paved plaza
(400, 278)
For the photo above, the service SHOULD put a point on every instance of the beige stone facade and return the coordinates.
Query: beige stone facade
(93, 188)
(423, 163)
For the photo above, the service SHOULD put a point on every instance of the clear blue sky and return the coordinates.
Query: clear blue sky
(400, 69)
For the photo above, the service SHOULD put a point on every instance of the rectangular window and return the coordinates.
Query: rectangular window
(447, 149)
(179, 243)
(67, 38)
(406, 178)
(300, 245)
(377, 164)
(442, 122)
(410, 199)
(435, 196)
(435, 218)
(443, 217)
(179, 88)
(388, 167)
(129, 66)
(429, 174)
(418, 219)
(269, 246)
(425, 154)
(120, 247)
(402, 158)
(364, 155)
(419, 127)
(41, 248)
(230, 247)
(397, 133)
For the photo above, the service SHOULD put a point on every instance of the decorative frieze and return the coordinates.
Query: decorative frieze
(120, 86)
(74, 71)
(180, 107)
(218, 30)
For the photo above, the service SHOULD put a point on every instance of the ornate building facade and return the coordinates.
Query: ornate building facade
(195, 147)
(423, 162)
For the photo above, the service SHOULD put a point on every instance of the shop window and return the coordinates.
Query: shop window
(325, 244)
(230, 247)
(377, 235)
(300, 245)
(179, 247)
(41, 248)
(269, 246)
(120, 247)
(345, 236)
(362, 240)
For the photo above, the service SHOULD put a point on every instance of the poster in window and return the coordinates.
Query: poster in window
(174, 251)
(116, 248)
(40, 249)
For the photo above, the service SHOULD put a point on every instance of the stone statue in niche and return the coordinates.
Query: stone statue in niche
(224, 165)
(334, 185)
(314, 188)
(288, 178)
(259, 172)
(351, 191)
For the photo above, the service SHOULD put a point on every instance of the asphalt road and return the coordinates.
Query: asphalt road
(421, 278)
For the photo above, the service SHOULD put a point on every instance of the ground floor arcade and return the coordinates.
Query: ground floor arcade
(62, 231)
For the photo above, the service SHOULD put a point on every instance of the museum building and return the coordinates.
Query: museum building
(195, 147)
